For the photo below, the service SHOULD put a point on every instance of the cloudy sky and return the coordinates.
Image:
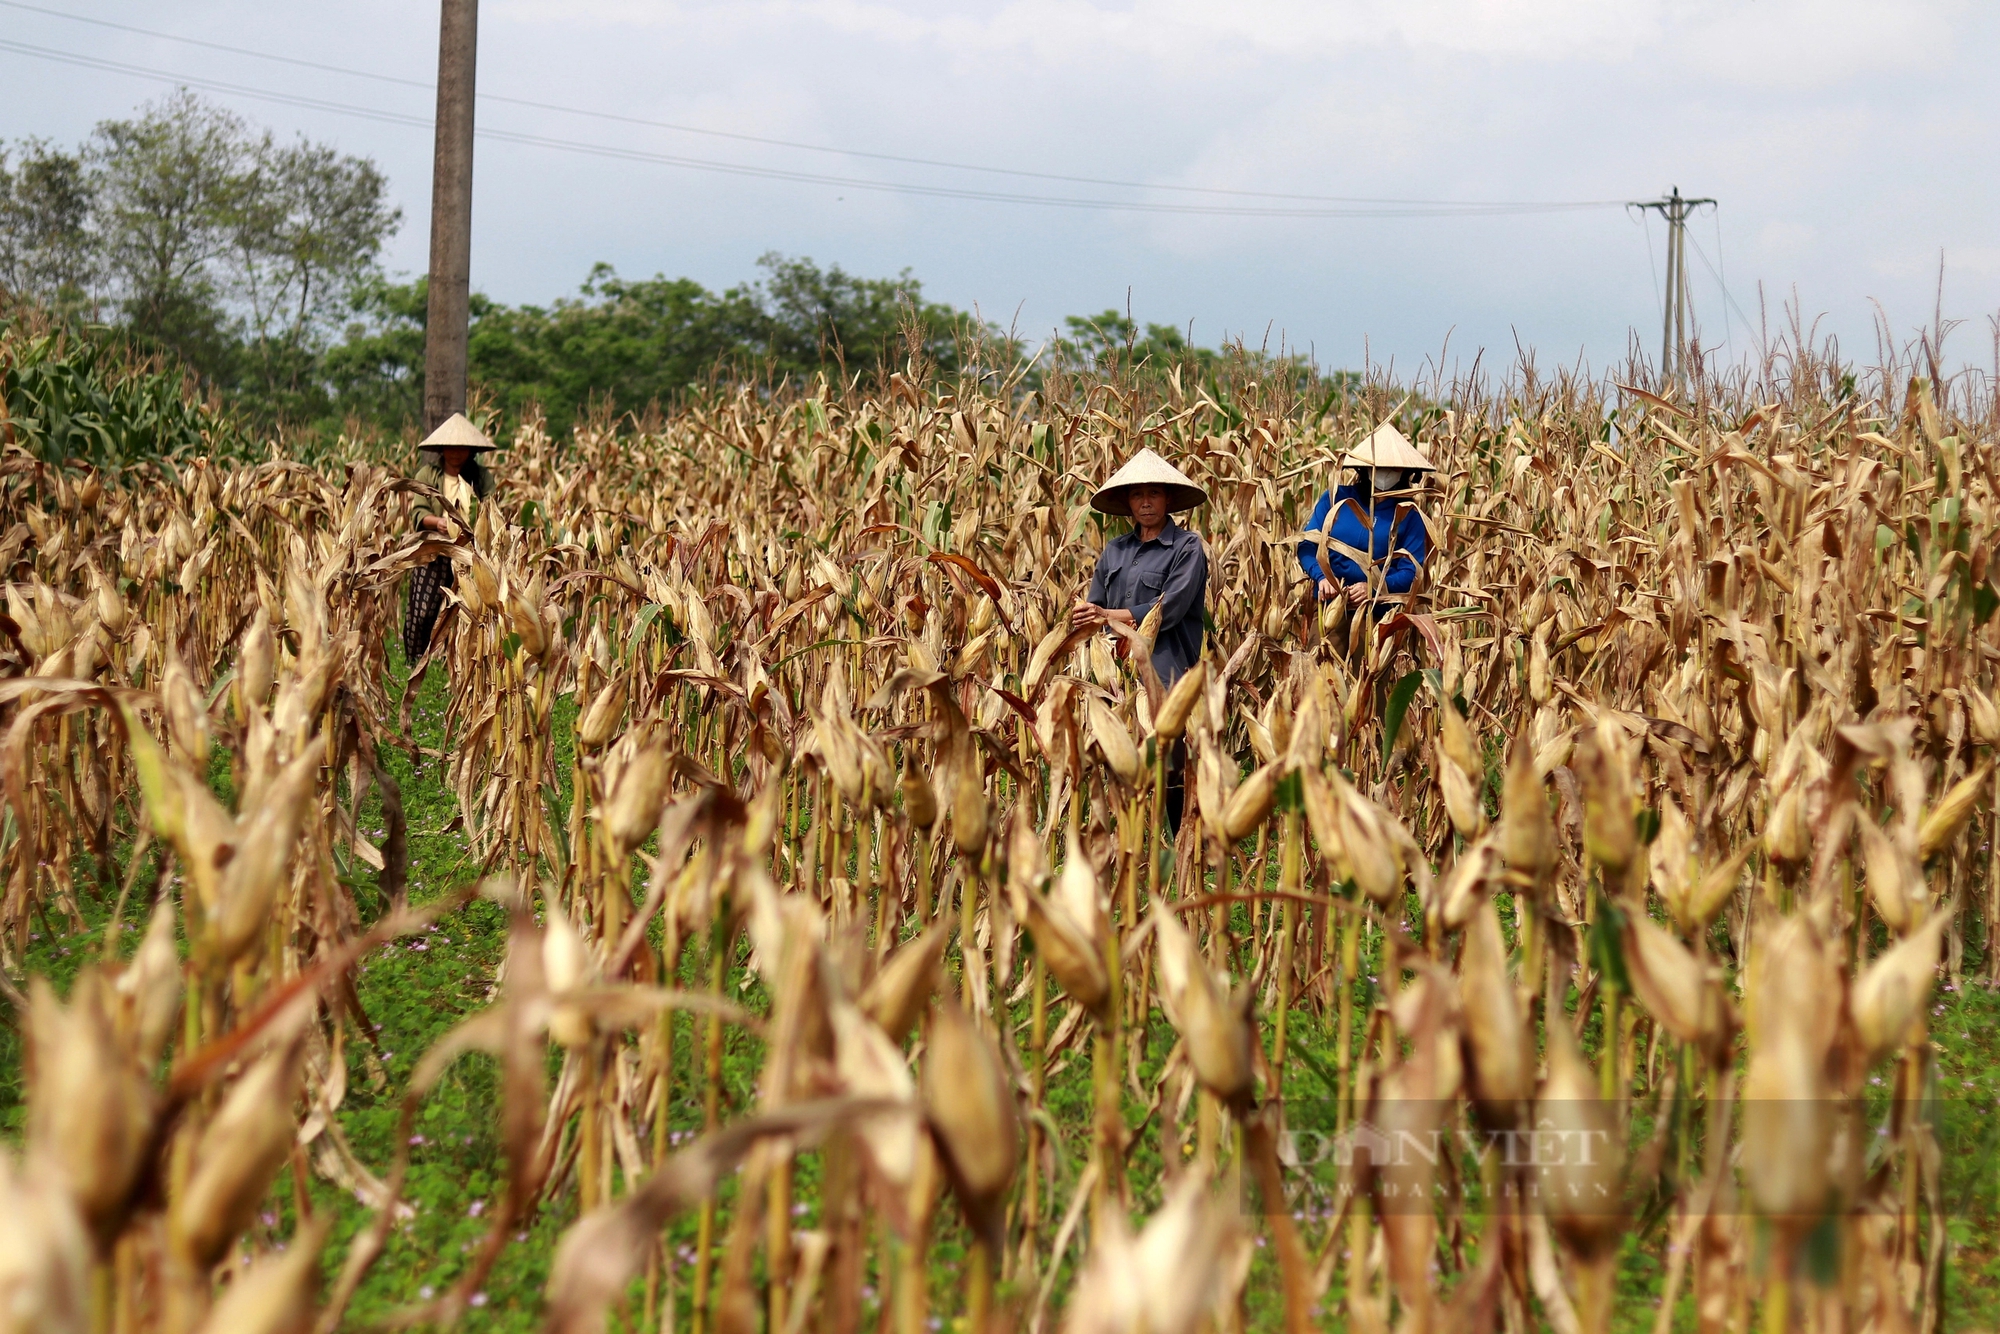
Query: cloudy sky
(1851, 144)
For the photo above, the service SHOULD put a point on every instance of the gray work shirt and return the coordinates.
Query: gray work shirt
(1171, 570)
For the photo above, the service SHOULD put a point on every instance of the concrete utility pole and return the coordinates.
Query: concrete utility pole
(1673, 338)
(445, 325)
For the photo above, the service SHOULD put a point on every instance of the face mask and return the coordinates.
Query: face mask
(1388, 479)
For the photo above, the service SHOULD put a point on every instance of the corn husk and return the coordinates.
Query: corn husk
(238, 1153)
(1114, 742)
(1892, 992)
(972, 1111)
(90, 1109)
(1581, 1182)
(275, 1295)
(1215, 1025)
(1527, 834)
(1180, 701)
(1499, 1048)
(1674, 986)
(44, 1256)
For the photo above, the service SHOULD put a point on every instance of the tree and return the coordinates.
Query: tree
(817, 317)
(1110, 341)
(168, 185)
(309, 225)
(47, 252)
(375, 373)
(623, 343)
(211, 241)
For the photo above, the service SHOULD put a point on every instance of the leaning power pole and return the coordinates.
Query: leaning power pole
(445, 325)
(1673, 338)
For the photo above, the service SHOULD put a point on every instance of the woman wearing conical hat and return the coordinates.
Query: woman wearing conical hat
(456, 481)
(1371, 526)
(1157, 563)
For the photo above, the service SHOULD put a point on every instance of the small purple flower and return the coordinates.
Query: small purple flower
(476, 1208)
(477, 1299)
(426, 1292)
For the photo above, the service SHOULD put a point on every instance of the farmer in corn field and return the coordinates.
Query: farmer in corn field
(1366, 541)
(1158, 563)
(448, 464)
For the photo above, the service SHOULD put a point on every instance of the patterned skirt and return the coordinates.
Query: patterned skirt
(426, 599)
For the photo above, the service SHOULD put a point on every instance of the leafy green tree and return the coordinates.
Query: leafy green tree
(623, 343)
(1110, 341)
(47, 252)
(167, 186)
(206, 239)
(815, 318)
(375, 374)
(309, 225)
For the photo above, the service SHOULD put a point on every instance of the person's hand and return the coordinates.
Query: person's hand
(1328, 590)
(1085, 616)
(1119, 616)
(434, 523)
(1358, 593)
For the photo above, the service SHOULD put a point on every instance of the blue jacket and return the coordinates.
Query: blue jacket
(1409, 546)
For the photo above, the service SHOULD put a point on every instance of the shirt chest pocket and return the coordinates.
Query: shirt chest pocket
(1148, 583)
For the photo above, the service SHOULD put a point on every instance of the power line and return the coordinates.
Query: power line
(1652, 265)
(1749, 329)
(1433, 207)
(1722, 276)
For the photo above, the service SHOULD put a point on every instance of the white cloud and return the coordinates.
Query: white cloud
(1782, 42)
(1847, 140)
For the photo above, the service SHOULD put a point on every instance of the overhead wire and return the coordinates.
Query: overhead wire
(1728, 325)
(1353, 206)
(1653, 265)
(1727, 295)
(1722, 273)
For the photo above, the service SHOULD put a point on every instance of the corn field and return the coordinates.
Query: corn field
(1640, 845)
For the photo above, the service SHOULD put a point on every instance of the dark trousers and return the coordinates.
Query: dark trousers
(427, 586)
(1176, 785)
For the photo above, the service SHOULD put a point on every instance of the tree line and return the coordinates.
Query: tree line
(253, 264)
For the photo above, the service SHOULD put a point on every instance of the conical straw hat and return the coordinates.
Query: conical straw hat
(457, 433)
(1147, 467)
(1386, 447)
